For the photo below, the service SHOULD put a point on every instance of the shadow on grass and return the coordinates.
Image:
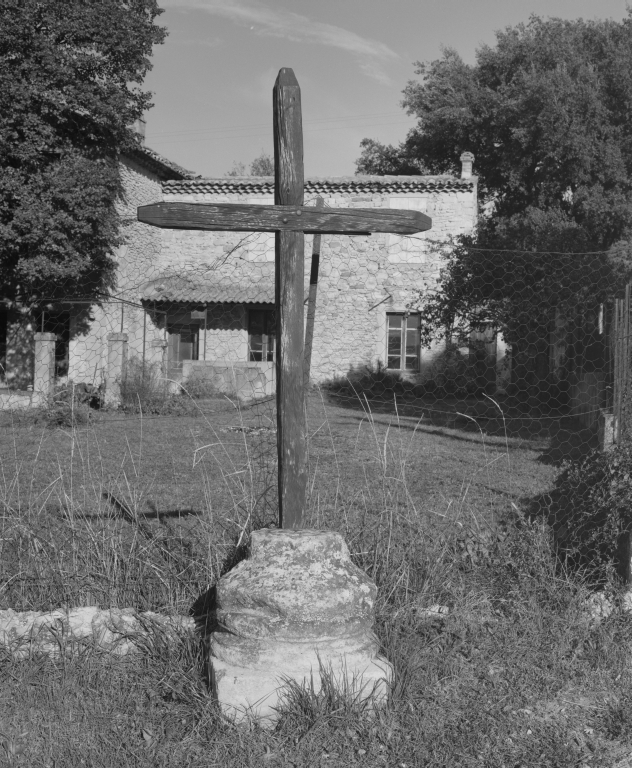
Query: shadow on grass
(560, 437)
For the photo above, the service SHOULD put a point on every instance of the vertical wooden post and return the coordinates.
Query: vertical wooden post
(311, 302)
(290, 275)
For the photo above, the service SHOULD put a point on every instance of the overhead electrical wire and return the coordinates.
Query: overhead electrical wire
(228, 132)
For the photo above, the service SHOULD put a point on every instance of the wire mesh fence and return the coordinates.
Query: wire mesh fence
(443, 382)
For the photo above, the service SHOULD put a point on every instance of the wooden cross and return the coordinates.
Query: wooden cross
(289, 219)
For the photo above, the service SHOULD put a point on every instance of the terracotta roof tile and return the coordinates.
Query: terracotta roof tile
(165, 169)
(265, 184)
(180, 288)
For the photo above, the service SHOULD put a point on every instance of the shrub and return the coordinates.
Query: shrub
(376, 383)
(142, 387)
(591, 512)
(453, 373)
(71, 404)
(200, 388)
(144, 390)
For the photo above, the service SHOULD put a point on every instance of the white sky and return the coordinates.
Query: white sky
(212, 79)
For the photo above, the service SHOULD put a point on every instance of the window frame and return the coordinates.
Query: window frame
(268, 337)
(403, 332)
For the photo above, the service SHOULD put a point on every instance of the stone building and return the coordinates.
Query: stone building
(201, 304)
(78, 329)
(216, 289)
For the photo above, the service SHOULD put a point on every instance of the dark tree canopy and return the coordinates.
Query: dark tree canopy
(385, 160)
(70, 88)
(546, 112)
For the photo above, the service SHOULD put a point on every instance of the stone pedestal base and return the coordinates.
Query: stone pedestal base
(296, 605)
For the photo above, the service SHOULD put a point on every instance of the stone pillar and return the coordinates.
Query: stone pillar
(467, 161)
(117, 358)
(44, 371)
(606, 430)
(296, 603)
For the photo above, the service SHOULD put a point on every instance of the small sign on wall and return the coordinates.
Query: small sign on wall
(198, 314)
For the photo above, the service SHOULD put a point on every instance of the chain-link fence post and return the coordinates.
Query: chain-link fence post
(44, 370)
(117, 358)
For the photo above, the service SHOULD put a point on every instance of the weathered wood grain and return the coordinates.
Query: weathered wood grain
(289, 270)
(289, 219)
(276, 218)
(311, 302)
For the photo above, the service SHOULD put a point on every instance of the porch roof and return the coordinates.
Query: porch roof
(195, 289)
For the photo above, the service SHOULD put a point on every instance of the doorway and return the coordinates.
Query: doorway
(183, 344)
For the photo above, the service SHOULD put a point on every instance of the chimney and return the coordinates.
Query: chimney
(467, 159)
(139, 129)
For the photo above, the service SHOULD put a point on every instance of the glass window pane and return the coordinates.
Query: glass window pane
(394, 343)
(261, 332)
(256, 348)
(394, 350)
(187, 347)
(256, 335)
(396, 325)
(256, 322)
(269, 339)
(412, 341)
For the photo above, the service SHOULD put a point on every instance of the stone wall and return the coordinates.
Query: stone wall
(362, 278)
(137, 262)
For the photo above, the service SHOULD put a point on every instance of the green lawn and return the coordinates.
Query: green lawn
(146, 512)
(184, 481)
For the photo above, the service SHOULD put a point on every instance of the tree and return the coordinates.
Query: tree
(385, 160)
(260, 166)
(546, 112)
(70, 89)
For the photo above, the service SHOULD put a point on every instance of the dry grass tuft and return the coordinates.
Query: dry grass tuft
(147, 513)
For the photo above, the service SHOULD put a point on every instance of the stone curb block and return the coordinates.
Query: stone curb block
(117, 631)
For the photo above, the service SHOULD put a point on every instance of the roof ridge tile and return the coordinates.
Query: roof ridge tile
(245, 184)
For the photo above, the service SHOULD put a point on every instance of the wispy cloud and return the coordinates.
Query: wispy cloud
(371, 55)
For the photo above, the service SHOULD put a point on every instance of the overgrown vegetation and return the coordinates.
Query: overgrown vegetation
(591, 511)
(453, 373)
(497, 660)
(144, 389)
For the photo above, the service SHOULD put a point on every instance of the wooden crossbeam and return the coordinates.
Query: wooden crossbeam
(239, 217)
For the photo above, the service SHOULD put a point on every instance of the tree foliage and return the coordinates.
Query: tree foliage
(546, 112)
(70, 88)
(518, 292)
(386, 160)
(260, 166)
